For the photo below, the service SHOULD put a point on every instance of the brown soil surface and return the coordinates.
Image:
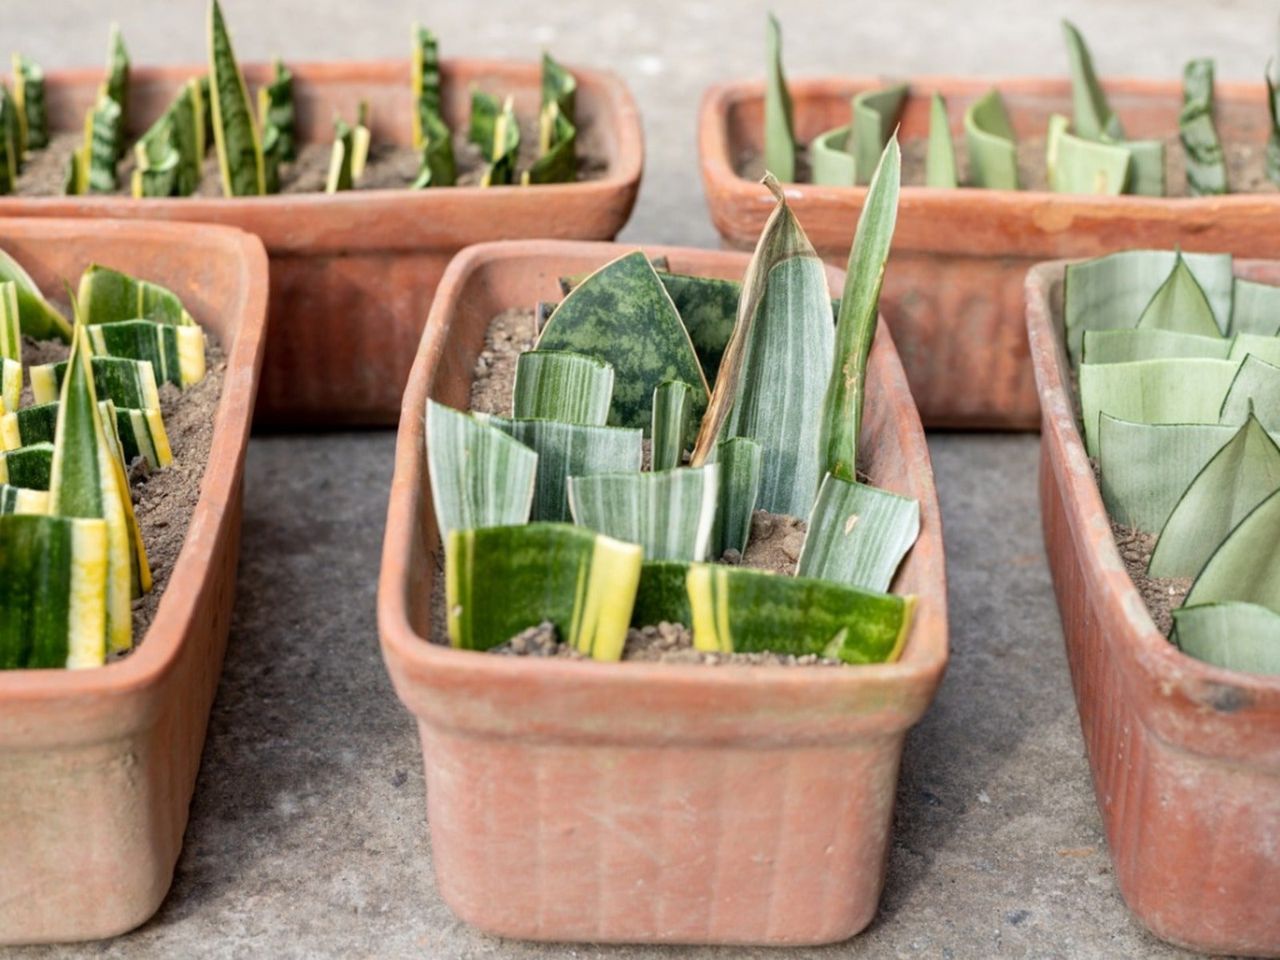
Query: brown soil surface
(1162, 595)
(1246, 165)
(390, 166)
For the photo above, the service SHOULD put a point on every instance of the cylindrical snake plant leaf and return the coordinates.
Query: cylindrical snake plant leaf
(841, 412)
(779, 127)
(275, 111)
(993, 151)
(558, 139)
(1237, 478)
(39, 319)
(571, 450)
(1206, 165)
(1076, 165)
(1255, 387)
(1237, 636)
(116, 86)
(940, 161)
(28, 94)
(672, 423)
(581, 582)
(495, 130)
(708, 307)
(125, 382)
(1255, 308)
(176, 353)
(480, 476)
(1180, 304)
(29, 466)
(858, 534)
(773, 373)
(559, 385)
(1112, 292)
(670, 513)
(739, 459)
(1122, 346)
(831, 162)
(101, 145)
(741, 610)
(21, 500)
(1093, 117)
(53, 582)
(1246, 567)
(109, 296)
(875, 117)
(10, 384)
(235, 133)
(621, 314)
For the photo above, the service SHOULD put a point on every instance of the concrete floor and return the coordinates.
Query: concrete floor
(307, 836)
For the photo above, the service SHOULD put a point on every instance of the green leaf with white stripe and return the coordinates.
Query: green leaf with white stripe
(940, 168)
(739, 460)
(1254, 388)
(10, 149)
(480, 476)
(570, 450)
(29, 466)
(621, 314)
(341, 174)
(156, 161)
(31, 424)
(1237, 636)
(670, 513)
(1238, 477)
(559, 385)
(53, 574)
(176, 353)
(779, 128)
(858, 534)
(1255, 307)
(109, 296)
(672, 424)
(775, 369)
(1206, 164)
(22, 500)
(560, 87)
(993, 151)
(1246, 567)
(1123, 346)
(581, 582)
(38, 317)
(235, 133)
(126, 383)
(28, 95)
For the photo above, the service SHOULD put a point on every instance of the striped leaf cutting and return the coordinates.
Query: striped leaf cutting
(126, 383)
(101, 149)
(109, 296)
(1206, 165)
(993, 151)
(22, 500)
(276, 113)
(875, 117)
(672, 424)
(36, 423)
(10, 152)
(480, 476)
(741, 610)
(141, 432)
(779, 128)
(670, 513)
(176, 353)
(557, 160)
(431, 134)
(858, 534)
(30, 466)
(28, 95)
(739, 459)
(116, 87)
(1237, 636)
(156, 161)
(559, 385)
(235, 134)
(570, 450)
(10, 384)
(621, 314)
(496, 132)
(38, 317)
(53, 574)
(581, 582)
(776, 367)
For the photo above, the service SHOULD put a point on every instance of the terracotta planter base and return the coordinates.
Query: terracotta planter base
(658, 802)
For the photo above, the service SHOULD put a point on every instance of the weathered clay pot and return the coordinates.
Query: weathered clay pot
(649, 802)
(1185, 756)
(953, 290)
(97, 766)
(352, 275)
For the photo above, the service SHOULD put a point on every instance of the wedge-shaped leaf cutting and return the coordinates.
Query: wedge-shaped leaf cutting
(558, 385)
(1237, 636)
(1239, 477)
(28, 466)
(109, 296)
(858, 534)
(622, 315)
(779, 128)
(672, 422)
(1180, 304)
(116, 87)
(583, 583)
(142, 432)
(670, 513)
(480, 476)
(39, 319)
(557, 134)
(1093, 117)
(1206, 165)
(993, 151)
(708, 306)
(496, 132)
(21, 500)
(126, 383)
(176, 353)
(940, 168)
(570, 450)
(740, 610)
(740, 461)
(1246, 567)
(53, 575)
(1256, 387)
(1255, 307)
(235, 134)
(101, 147)
(1122, 346)
(431, 135)
(28, 95)
(276, 112)
(156, 161)
(848, 155)
(776, 367)
(1078, 165)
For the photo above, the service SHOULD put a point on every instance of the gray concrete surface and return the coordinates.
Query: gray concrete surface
(307, 836)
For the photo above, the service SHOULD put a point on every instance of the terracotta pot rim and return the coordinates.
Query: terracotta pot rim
(717, 164)
(1148, 656)
(926, 653)
(157, 652)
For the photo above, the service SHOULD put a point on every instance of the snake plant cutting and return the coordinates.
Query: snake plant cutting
(72, 557)
(1178, 364)
(748, 396)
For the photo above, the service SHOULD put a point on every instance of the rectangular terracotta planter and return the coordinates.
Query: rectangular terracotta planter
(97, 766)
(573, 800)
(1185, 756)
(953, 290)
(352, 275)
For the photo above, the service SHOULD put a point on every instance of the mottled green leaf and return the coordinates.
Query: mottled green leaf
(110, 296)
(858, 534)
(669, 513)
(29, 466)
(940, 161)
(708, 307)
(779, 128)
(28, 94)
(1206, 164)
(662, 595)
(117, 88)
(10, 147)
(560, 87)
(276, 112)
(176, 353)
(558, 385)
(156, 161)
(102, 147)
(126, 383)
(1237, 636)
(235, 133)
